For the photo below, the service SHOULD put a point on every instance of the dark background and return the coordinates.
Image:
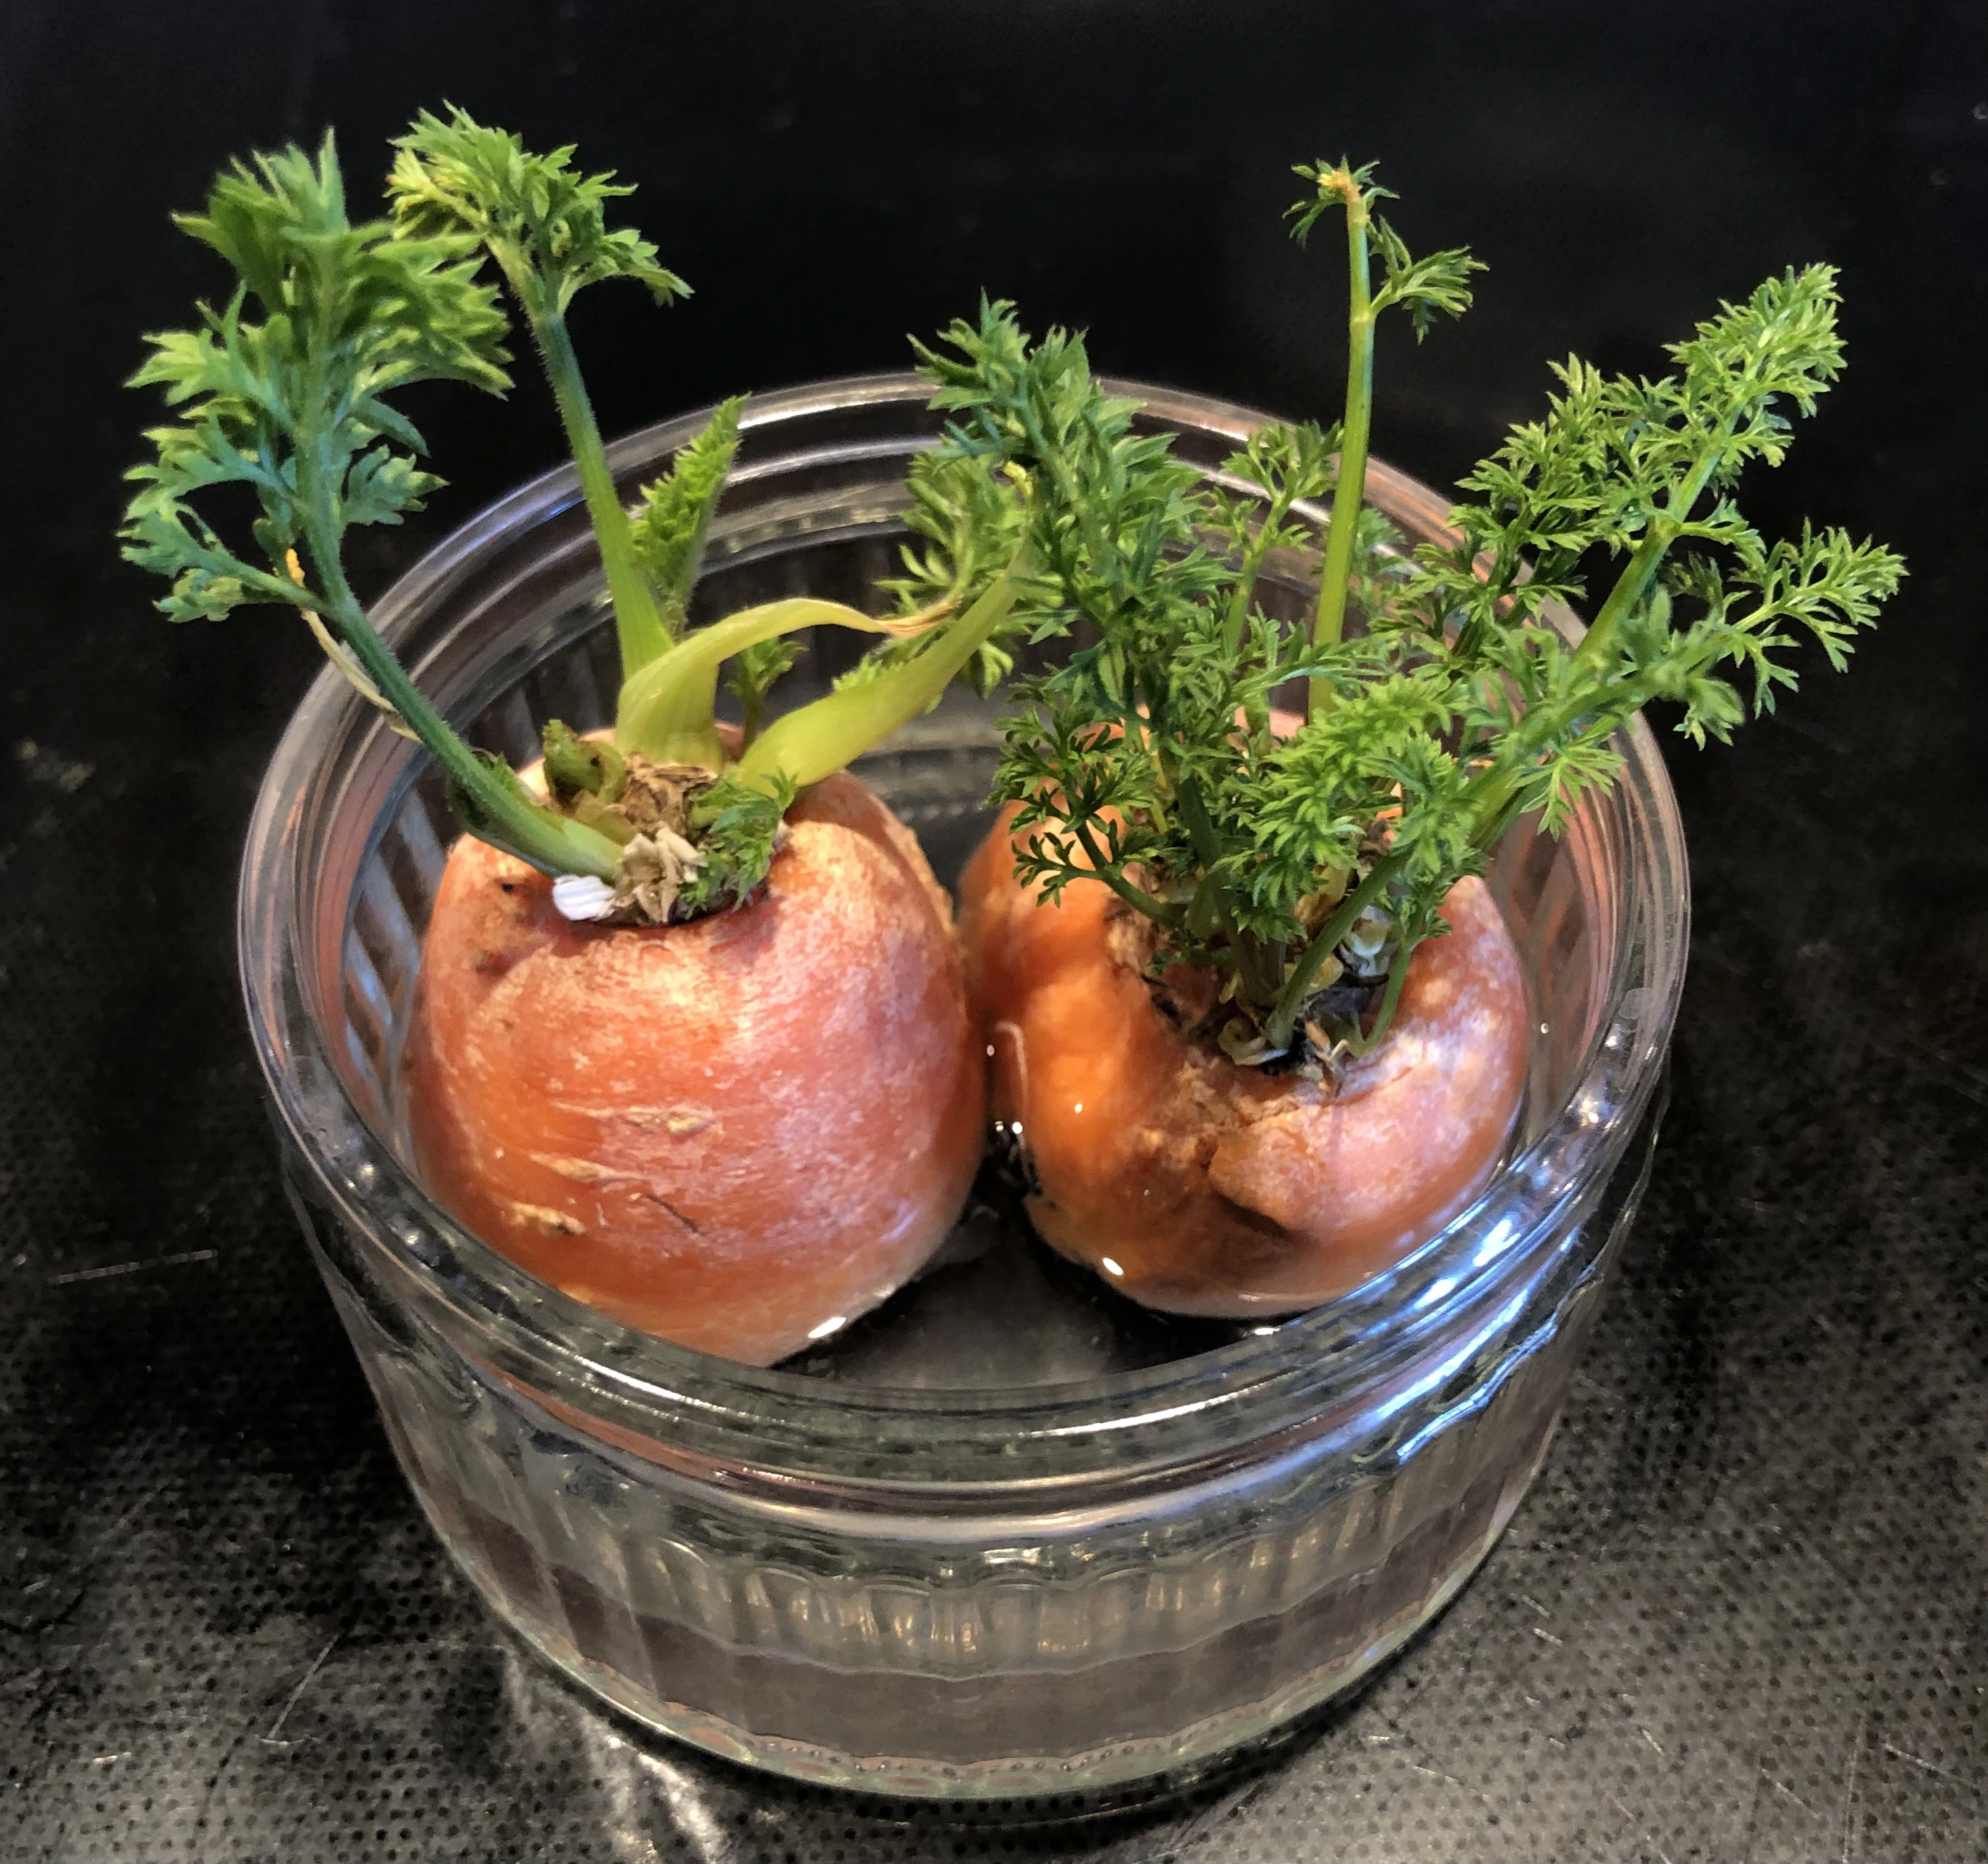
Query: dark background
(1742, 1615)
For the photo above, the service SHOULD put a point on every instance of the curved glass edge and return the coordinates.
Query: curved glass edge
(512, 1320)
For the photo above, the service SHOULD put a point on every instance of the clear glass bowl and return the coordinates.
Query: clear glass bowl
(1009, 1535)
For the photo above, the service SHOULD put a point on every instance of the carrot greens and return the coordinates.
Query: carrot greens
(669, 821)
(546, 227)
(1304, 867)
(293, 405)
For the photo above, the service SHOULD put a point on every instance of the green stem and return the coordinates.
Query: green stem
(1633, 584)
(549, 841)
(1350, 491)
(1298, 985)
(1259, 547)
(1260, 975)
(1496, 804)
(1200, 830)
(817, 740)
(638, 623)
(1261, 967)
(666, 708)
(1102, 868)
(1630, 589)
(1493, 590)
(1390, 997)
(1493, 800)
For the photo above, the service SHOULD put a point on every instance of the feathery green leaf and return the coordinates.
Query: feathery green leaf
(738, 828)
(293, 405)
(673, 517)
(1301, 863)
(350, 315)
(544, 222)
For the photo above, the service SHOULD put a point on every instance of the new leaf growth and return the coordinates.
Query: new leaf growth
(1425, 287)
(671, 820)
(546, 226)
(1303, 866)
(293, 404)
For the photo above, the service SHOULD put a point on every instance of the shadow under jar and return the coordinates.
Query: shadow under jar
(1009, 1535)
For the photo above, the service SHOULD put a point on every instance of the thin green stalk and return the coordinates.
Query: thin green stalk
(1366, 1044)
(1633, 584)
(1494, 590)
(1496, 804)
(1200, 830)
(1494, 794)
(1103, 869)
(1259, 547)
(1259, 973)
(1350, 491)
(549, 841)
(1298, 985)
(639, 628)
(1259, 965)
(752, 711)
(1496, 791)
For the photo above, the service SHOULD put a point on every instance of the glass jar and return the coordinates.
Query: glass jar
(969, 1551)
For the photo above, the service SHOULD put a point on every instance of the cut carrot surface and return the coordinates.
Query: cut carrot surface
(1197, 1185)
(737, 1132)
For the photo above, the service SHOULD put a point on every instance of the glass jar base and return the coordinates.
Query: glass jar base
(606, 1649)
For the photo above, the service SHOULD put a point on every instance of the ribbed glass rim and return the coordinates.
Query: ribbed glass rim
(1423, 1318)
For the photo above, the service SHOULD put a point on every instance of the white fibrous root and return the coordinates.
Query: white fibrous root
(580, 896)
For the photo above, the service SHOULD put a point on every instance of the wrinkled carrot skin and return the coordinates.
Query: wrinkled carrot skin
(729, 1132)
(1215, 1189)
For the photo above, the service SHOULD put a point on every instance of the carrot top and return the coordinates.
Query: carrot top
(286, 391)
(1303, 868)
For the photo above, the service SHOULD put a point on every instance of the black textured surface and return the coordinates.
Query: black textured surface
(1741, 1615)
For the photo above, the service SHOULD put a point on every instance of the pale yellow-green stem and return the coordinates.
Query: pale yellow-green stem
(665, 708)
(817, 740)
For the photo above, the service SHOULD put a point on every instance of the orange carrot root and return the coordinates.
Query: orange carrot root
(737, 1133)
(1198, 1186)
